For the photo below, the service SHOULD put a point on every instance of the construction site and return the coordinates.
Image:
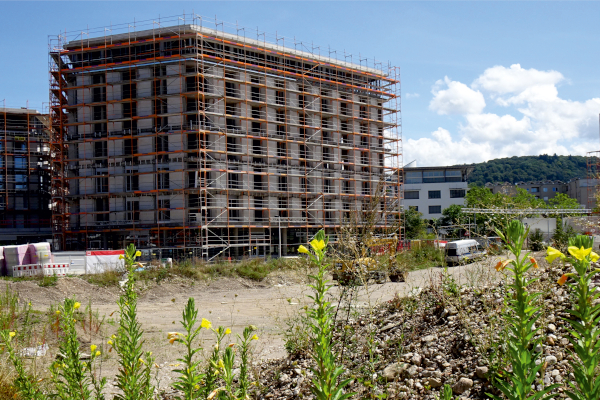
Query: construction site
(205, 139)
(24, 176)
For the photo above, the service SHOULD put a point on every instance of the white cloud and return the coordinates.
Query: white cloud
(545, 123)
(412, 95)
(458, 98)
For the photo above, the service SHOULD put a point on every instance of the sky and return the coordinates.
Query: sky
(480, 80)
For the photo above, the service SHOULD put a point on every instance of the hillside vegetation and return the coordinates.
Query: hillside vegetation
(529, 168)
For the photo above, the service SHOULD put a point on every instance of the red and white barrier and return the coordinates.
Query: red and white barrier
(40, 269)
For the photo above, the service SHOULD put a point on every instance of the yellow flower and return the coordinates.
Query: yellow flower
(553, 254)
(142, 361)
(502, 264)
(93, 347)
(172, 335)
(220, 364)
(76, 306)
(206, 323)
(302, 249)
(97, 353)
(173, 340)
(255, 337)
(563, 279)
(594, 256)
(57, 312)
(113, 337)
(12, 334)
(110, 342)
(534, 262)
(317, 245)
(197, 387)
(138, 253)
(579, 254)
(227, 331)
(121, 257)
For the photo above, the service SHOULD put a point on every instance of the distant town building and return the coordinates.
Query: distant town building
(430, 190)
(24, 176)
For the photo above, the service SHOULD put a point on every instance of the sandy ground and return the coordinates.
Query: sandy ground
(234, 303)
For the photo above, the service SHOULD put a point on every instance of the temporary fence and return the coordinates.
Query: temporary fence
(40, 269)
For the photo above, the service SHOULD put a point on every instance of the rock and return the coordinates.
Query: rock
(433, 382)
(481, 372)
(390, 326)
(462, 386)
(428, 338)
(393, 371)
(412, 371)
(416, 359)
(551, 360)
(552, 327)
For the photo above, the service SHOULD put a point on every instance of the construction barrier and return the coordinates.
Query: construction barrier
(40, 269)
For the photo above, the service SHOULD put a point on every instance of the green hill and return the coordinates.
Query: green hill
(529, 168)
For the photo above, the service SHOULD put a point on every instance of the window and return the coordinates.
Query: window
(433, 176)
(545, 198)
(435, 209)
(133, 210)
(20, 162)
(457, 193)
(102, 185)
(411, 194)
(435, 194)
(162, 181)
(535, 190)
(545, 189)
(414, 177)
(101, 149)
(20, 181)
(164, 212)
(453, 176)
(132, 183)
(554, 189)
(162, 143)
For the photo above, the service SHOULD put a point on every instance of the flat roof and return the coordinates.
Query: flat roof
(461, 167)
(186, 29)
(19, 110)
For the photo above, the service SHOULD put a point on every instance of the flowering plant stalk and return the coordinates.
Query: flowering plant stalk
(190, 378)
(26, 385)
(521, 316)
(325, 385)
(134, 376)
(584, 333)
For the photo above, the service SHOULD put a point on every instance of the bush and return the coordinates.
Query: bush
(536, 240)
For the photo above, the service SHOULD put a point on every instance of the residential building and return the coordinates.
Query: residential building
(211, 143)
(24, 176)
(581, 189)
(430, 190)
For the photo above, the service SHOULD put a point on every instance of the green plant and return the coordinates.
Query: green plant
(325, 385)
(133, 378)
(536, 240)
(521, 316)
(584, 333)
(48, 280)
(562, 234)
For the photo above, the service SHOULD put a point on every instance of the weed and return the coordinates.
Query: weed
(48, 281)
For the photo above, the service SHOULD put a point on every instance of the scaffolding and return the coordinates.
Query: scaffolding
(184, 133)
(24, 175)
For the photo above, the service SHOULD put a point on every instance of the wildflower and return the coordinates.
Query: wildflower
(121, 257)
(98, 353)
(594, 256)
(553, 254)
(317, 245)
(533, 261)
(217, 346)
(220, 364)
(255, 337)
(253, 327)
(76, 305)
(580, 253)
(93, 347)
(142, 361)
(231, 345)
(227, 331)
(502, 264)
(197, 387)
(138, 253)
(563, 279)
(110, 342)
(302, 249)
(172, 335)
(173, 339)
(206, 323)
(113, 337)
(57, 312)
(12, 334)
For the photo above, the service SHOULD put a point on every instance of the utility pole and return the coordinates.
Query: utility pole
(279, 223)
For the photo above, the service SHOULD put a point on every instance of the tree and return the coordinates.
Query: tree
(414, 226)
(563, 201)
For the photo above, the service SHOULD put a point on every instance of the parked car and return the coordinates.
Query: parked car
(461, 251)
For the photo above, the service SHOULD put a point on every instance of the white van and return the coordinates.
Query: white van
(463, 250)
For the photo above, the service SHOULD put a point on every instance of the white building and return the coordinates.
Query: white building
(432, 189)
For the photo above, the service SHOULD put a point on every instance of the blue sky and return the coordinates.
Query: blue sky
(464, 97)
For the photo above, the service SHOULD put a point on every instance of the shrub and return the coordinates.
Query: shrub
(536, 240)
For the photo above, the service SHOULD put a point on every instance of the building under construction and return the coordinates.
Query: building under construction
(24, 176)
(186, 135)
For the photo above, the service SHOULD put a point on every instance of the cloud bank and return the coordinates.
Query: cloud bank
(545, 122)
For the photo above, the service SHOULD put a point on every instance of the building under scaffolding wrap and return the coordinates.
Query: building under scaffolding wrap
(24, 176)
(180, 135)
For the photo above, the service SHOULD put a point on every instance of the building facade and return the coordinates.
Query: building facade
(24, 176)
(430, 190)
(579, 189)
(193, 138)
